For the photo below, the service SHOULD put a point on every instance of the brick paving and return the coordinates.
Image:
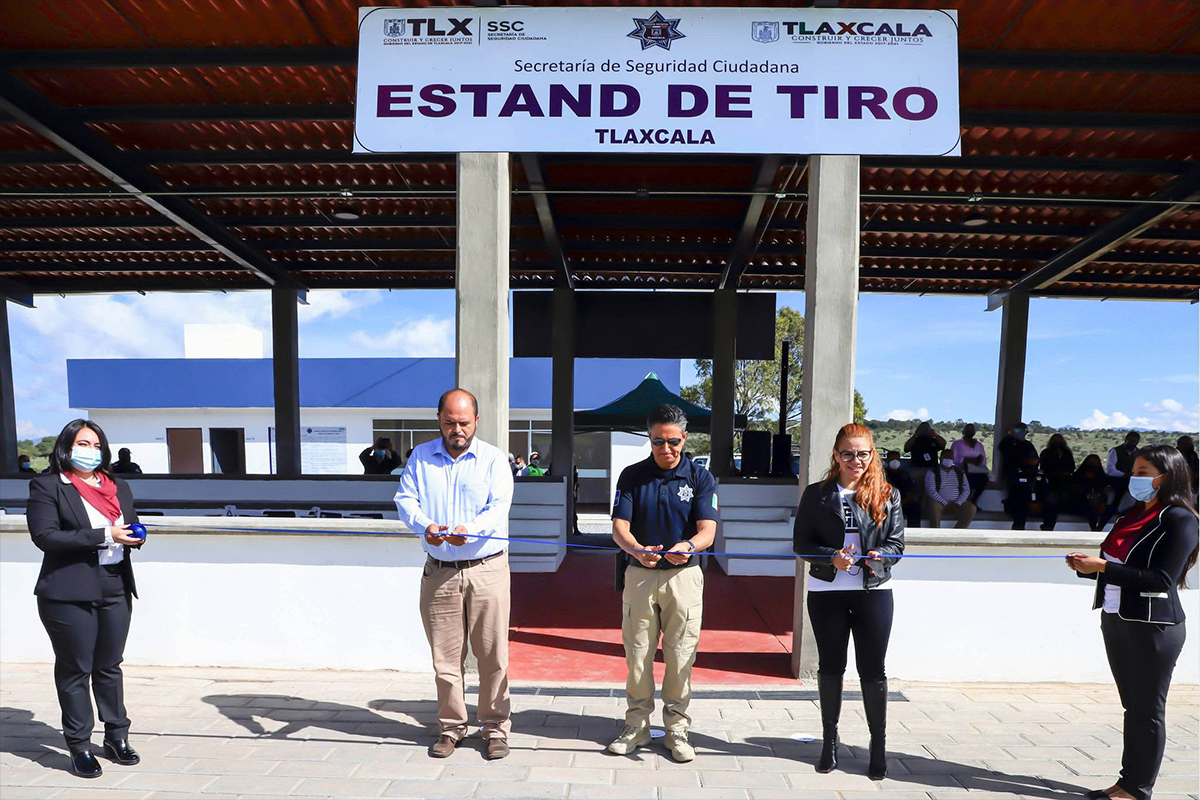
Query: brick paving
(212, 732)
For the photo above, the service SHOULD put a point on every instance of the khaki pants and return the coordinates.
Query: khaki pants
(457, 604)
(670, 602)
(964, 513)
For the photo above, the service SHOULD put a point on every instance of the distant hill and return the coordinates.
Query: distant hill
(893, 433)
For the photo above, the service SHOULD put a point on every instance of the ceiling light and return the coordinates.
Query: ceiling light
(345, 213)
(975, 220)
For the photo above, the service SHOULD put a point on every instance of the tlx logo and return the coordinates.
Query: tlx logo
(429, 27)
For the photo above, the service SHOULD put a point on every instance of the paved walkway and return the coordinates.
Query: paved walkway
(217, 732)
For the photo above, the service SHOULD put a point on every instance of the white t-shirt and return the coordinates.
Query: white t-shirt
(1112, 594)
(844, 581)
(110, 552)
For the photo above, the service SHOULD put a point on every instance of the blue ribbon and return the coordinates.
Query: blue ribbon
(549, 543)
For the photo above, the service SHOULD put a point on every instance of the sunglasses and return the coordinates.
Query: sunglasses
(659, 442)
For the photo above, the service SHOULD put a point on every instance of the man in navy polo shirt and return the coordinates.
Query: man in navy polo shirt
(665, 511)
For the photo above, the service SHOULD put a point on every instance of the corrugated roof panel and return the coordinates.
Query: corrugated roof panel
(221, 23)
(47, 177)
(294, 134)
(1165, 93)
(1122, 26)
(192, 86)
(1050, 91)
(417, 177)
(51, 24)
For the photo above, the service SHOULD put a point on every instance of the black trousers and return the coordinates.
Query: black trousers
(1142, 657)
(89, 644)
(978, 482)
(865, 614)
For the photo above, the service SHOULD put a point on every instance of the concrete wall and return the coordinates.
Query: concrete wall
(312, 602)
(963, 619)
(538, 512)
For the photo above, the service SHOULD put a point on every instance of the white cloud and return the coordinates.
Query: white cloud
(429, 337)
(1099, 419)
(1166, 415)
(904, 415)
(1187, 377)
(28, 430)
(335, 304)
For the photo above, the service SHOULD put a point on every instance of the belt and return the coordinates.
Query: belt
(470, 562)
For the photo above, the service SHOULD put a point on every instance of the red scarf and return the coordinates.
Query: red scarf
(1127, 531)
(103, 498)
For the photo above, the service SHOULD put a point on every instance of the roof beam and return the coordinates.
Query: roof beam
(744, 244)
(1019, 163)
(148, 221)
(347, 56)
(536, 179)
(43, 117)
(1054, 61)
(1083, 120)
(16, 291)
(1173, 198)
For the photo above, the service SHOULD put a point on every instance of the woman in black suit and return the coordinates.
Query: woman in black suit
(850, 530)
(79, 516)
(1143, 564)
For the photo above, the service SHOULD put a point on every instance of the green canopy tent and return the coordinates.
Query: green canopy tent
(629, 411)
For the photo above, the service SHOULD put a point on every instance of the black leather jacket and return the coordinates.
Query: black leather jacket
(1149, 575)
(820, 531)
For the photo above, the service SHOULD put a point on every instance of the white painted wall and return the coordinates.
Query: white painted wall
(144, 430)
(310, 602)
(627, 448)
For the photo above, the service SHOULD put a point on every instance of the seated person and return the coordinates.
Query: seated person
(910, 493)
(947, 490)
(1087, 493)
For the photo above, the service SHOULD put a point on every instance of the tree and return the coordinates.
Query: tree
(756, 383)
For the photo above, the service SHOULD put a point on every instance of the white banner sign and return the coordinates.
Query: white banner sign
(323, 450)
(696, 80)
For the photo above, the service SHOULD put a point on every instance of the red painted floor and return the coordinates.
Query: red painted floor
(566, 626)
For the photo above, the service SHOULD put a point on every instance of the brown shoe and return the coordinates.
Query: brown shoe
(443, 747)
(496, 748)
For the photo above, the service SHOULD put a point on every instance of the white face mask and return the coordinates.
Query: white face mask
(947, 462)
(894, 465)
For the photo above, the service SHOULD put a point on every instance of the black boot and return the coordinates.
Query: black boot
(829, 691)
(875, 703)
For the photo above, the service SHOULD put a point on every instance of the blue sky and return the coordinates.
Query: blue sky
(1090, 363)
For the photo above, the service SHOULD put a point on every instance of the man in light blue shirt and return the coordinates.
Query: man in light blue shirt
(456, 489)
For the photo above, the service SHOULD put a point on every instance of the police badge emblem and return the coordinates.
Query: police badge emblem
(656, 31)
(764, 32)
(686, 493)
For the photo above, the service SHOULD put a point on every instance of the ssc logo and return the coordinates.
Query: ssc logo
(393, 28)
(764, 32)
(656, 31)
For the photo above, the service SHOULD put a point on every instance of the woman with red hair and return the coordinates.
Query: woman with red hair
(850, 530)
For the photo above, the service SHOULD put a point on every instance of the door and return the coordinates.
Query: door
(228, 447)
(185, 451)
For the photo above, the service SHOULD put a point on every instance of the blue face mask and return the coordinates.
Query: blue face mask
(1142, 487)
(85, 459)
(381, 453)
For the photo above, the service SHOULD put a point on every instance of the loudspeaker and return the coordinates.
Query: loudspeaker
(781, 454)
(756, 453)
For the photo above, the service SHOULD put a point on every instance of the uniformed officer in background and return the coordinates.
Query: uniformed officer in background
(666, 505)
